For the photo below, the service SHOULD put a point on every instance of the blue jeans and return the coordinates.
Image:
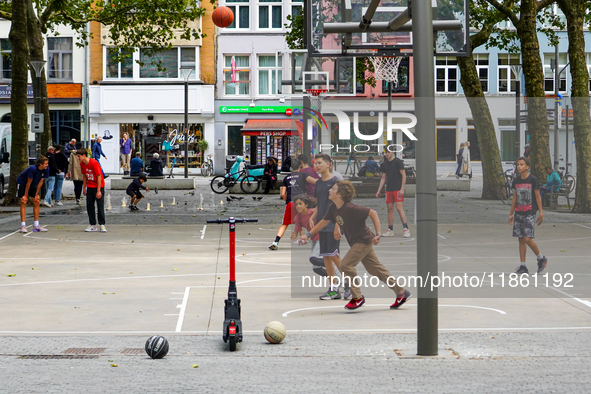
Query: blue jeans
(59, 182)
(50, 184)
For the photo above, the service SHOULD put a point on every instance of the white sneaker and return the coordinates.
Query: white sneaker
(103, 228)
(388, 233)
(48, 205)
(405, 233)
(59, 203)
(23, 229)
(274, 246)
(91, 229)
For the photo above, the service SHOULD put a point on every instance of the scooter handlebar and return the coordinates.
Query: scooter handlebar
(237, 220)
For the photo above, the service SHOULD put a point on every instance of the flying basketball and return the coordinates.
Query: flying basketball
(275, 332)
(222, 16)
(157, 346)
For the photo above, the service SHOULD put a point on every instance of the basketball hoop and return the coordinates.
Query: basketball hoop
(386, 68)
(316, 96)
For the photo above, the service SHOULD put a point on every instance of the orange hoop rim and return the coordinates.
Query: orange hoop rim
(316, 92)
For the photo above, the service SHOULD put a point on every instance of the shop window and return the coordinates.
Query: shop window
(446, 140)
(473, 140)
(6, 53)
(242, 85)
(59, 53)
(241, 10)
(235, 144)
(65, 125)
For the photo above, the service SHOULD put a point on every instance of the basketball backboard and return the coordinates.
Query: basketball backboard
(349, 28)
(299, 72)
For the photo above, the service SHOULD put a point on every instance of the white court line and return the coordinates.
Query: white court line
(135, 277)
(458, 306)
(584, 302)
(580, 225)
(183, 308)
(6, 236)
(259, 280)
(203, 231)
(441, 236)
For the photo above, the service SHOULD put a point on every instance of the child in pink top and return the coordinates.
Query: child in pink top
(304, 206)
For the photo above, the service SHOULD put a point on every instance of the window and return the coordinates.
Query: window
(446, 140)
(402, 86)
(6, 52)
(234, 140)
(446, 74)
(481, 61)
(473, 140)
(266, 74)
(508, 149)
(119, 70)
(241, 86)
(65, 125)
(169, 64)
(241, 10)
(588, 55)
(507, 77)
(270, 14)
(549, 73)
(296, 7)
(59, 51)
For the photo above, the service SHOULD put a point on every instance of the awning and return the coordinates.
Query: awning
(273, 127)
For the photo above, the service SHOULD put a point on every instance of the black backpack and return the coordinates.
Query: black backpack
(362, 171)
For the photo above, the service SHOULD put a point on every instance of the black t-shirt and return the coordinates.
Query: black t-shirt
(526, 198)
(321, 194)
(393, 176)
(351, 218)
(287, 183)
(298, 183)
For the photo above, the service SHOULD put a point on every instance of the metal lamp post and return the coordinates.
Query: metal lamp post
(517, 70)
(38, 66)
(186, 73)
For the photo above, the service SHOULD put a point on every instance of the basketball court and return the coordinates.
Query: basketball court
(173, 280)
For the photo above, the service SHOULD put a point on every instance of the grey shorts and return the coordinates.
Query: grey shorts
(328, 245)
(524, 225)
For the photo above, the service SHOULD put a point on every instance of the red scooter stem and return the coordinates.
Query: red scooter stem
(232, 251)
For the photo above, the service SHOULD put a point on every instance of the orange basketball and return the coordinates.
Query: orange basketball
(222, 16)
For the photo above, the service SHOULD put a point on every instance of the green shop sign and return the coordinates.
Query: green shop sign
(260, 109)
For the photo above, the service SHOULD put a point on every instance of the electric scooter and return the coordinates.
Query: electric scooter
(232, 331)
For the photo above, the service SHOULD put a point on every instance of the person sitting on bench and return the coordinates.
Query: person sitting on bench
(137, 165)
(156, 166)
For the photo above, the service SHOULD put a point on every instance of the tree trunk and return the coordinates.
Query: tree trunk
(485, 129)
(537, 121)
(36, 43)
(18, 101)
(575, 15)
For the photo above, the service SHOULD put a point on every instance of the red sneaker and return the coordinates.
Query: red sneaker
(401, 299)
(355, 304)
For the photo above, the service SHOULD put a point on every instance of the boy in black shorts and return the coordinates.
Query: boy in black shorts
(526, 201)
(133, 191)
(29, 185)
(352, 218)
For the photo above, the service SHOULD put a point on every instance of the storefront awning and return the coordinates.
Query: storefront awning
(273, 127)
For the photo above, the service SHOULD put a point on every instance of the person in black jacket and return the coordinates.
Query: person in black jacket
(270, 174)
(133, 191)
(61, 162)
(53, 171)
(156, 166)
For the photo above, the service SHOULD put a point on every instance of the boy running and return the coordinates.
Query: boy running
(352, 218)
(526, 201)
(29, 184)
(394, 177)
(133, 191)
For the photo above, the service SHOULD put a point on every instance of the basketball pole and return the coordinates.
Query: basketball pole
(426, 195)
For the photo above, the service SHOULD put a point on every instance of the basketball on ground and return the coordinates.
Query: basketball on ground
(222, 16)
(275, 332)
(157, 346)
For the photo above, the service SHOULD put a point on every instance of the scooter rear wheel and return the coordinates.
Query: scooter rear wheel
(232, 342)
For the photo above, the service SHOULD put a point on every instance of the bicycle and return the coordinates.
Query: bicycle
(506, 190)
(565, 176)
(207, 167)
(249, 182)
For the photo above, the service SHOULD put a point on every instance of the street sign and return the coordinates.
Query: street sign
(37, 123)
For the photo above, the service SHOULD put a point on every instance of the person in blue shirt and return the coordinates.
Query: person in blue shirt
(371, 167)
(137, 165)
(97, 152)
(29, 184)
(552, 182)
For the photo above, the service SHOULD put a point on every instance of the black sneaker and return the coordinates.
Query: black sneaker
(542, 264)
(522, 270)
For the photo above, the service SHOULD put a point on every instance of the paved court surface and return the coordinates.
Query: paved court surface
(70, 290)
